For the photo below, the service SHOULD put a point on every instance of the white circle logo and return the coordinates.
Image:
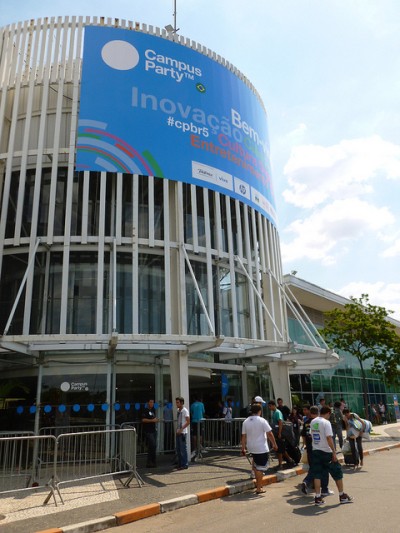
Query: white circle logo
(120, 55)
(65, 386)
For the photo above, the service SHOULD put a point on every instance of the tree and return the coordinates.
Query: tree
(364, 331)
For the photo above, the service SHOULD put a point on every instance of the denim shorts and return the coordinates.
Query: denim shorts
(322, 462)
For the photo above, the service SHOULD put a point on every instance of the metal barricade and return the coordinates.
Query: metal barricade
(27, 463)
(61, 430)
(95, 454)
(218, 434)
(165, 436)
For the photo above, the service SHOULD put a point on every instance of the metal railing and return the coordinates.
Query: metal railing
(58, 430)
(46, 461)
(218, 434)
(26, 463)
(165, 436)
(95, 454)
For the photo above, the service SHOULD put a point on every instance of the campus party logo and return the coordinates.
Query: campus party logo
(121, 55)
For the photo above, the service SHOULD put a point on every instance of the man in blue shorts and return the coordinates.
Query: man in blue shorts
(324, 456)
(255, 435)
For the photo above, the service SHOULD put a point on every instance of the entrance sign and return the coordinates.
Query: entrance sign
(153, 107)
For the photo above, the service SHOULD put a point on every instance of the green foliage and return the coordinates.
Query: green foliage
(363, 330)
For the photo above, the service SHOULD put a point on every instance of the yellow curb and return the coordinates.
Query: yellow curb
(51, 530)
(268, 480)
(125, 517)
(207, 495)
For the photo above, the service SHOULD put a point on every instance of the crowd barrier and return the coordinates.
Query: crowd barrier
(165, 436)
(27, 463)
(46, 461)
(218, 434)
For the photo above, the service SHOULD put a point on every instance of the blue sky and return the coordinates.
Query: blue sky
(329, 75)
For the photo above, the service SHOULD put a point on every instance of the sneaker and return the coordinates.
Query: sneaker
(318, 500)
(304, 488)
(193, 454)
(327, 492)
(345, 498)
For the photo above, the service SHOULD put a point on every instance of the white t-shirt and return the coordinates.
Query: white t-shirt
(182, 415)
(255, 428)
(320, 429)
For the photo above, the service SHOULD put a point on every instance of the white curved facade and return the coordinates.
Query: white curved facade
(110, 274)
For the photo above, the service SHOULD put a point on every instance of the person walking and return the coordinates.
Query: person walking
(181, 434)
(296, 419)
(336, 420)
(382, 412)
(324, 457)
(308, 482)
(256, 432)
(277, 425)
(149, 420)
(355, 426)
(197, 413)
(284, 409)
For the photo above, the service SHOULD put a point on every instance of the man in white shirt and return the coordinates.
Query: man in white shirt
(324, 456)
(255, 435)
(181, 434)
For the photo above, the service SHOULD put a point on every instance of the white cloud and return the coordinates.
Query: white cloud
(380, 293)
(317, 174)
(392, 251)
(328, 231)
(298, 133)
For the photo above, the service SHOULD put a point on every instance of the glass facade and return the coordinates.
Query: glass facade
(343, 381)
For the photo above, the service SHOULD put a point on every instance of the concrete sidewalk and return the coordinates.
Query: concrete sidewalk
(95, 506)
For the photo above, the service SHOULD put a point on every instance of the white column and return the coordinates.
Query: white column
(279, 373)
(179, 370)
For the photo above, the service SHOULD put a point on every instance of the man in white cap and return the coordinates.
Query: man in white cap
(256, 432)
(256, 400)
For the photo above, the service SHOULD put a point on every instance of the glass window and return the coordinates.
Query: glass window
(94, 204)
(127, 205)
(224, 299)
(38, 295)
(124, 293)
(211, 204)
(14, 268)
(44, 203)
(158, 208)
(224, 225)
(54, 294)
(61, 197)
(196, 319)
(12, 205)
(201, 221)
(77, 200)
(88, 391)
(143, 207)
(243, 305)
(187, 210)
(151, 294)
(82, 293)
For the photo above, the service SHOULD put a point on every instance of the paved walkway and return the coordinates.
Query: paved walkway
(95, 506)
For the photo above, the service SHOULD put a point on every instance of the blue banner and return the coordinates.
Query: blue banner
(153, 107)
